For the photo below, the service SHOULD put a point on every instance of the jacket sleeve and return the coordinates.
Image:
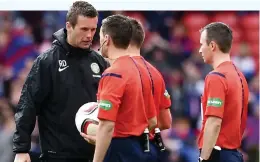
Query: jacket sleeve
(35, 90)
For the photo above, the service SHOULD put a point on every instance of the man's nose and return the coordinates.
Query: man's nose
(88, 34)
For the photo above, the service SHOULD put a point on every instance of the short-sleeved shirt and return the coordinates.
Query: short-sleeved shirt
(162, 98)
(125, 98)
(226, 96)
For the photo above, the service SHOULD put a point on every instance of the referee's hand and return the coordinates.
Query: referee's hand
(89, 138)
(22, 157)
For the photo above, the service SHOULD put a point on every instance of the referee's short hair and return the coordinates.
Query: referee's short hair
(219, 33)
(119, 28)
(138, 33)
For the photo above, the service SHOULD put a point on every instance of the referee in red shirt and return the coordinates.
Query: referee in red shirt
(125, 98)
(162, 99)
(225, 98)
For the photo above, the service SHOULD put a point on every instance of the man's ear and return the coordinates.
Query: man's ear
(68, 26)
(213, 45)
(107, 40)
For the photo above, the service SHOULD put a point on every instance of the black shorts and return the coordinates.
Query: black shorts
(130, 150)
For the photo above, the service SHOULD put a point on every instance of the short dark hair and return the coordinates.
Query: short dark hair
(80, 8)
(221, 34)
(119, 28)
(138, 32)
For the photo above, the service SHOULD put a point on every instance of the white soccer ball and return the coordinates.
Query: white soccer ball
(87, 112)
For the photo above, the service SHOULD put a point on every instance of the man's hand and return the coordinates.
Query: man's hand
(22, 157)
(89, 138)
(152, 123)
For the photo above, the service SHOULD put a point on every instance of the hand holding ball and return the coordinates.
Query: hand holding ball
(86, 118)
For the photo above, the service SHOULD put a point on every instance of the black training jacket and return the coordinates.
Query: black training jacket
(61, 80)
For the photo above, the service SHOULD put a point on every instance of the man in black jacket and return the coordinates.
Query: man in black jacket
(61, 80)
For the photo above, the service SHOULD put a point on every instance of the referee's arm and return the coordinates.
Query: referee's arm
(215, 93)
(33, 93)
(164, 116)
(110, 91)
(211, 132)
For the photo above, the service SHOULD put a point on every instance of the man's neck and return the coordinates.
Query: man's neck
(115, 53)
(134, 51)
(220, 58)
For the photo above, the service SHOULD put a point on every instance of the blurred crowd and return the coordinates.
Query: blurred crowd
(171, 44)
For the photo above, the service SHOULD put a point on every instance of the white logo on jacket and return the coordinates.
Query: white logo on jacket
(63, 65)
(95, 68)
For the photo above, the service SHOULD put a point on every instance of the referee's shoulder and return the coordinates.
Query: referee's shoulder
(155, 72)
(114, 69)
(216, 79)
(216, 75)
(118, 71)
